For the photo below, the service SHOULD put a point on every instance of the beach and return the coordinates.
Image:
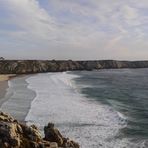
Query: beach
(18, 97)
(5, 77)
(4, 85)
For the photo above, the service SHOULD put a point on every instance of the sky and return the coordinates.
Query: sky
(74, 29)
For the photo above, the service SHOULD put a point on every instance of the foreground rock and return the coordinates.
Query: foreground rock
(17, 135)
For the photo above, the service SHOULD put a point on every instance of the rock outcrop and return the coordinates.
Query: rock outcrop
(17, 135)
(39, 66)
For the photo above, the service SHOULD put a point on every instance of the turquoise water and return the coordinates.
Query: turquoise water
(125, 90)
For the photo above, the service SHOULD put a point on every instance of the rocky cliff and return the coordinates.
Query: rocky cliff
(17, 135)
(36, 66)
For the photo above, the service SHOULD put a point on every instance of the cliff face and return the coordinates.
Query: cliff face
(36, 66)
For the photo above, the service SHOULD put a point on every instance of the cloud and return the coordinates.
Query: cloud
(113, 42)
(33, 22)
(129, 12)
(80, 29)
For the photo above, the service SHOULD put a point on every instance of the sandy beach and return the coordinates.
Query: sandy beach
(18, 97)
(4, 85)
(6, 77)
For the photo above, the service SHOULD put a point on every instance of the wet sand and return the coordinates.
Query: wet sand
(18, 97)
(4, 86)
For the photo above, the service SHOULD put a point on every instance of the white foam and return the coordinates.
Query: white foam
(88, 122)
(122, 116)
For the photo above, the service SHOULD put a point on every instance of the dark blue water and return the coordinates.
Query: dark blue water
(125, 90)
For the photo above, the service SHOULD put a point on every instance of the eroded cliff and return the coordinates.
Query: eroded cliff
(39, 66)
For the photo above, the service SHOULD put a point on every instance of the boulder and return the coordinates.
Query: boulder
(53, 134)
(17, 135)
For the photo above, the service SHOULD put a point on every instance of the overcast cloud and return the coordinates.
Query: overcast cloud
(74, 29)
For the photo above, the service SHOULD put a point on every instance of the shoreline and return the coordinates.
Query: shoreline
(3, 89)
(14, 94)
(6, 77)
(4, 85)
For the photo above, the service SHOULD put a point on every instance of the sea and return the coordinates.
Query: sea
(98, 109)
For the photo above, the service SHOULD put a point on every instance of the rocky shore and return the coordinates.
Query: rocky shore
(39, 66)
(14, 134)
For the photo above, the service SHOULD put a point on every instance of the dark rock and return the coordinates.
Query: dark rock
(17, 135)
(38, 66)
(53, 134)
